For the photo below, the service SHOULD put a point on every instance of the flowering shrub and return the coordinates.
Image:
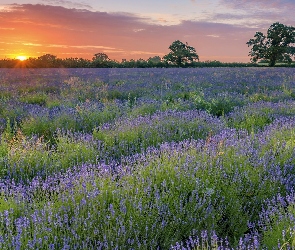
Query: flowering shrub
(147, 159)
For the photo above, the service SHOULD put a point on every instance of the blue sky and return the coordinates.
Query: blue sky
(218, 29)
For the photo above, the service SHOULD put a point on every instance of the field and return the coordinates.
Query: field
(147, 158)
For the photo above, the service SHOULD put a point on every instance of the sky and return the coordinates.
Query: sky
(133, 29)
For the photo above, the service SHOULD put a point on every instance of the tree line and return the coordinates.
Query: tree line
(277, 46)
(101, 60)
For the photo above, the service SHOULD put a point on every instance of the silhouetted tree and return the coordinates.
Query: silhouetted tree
(47, 61)
(181, 54)
(275, 46)
(76, 63)
(100, 60)
(100, 57)
(155, 59)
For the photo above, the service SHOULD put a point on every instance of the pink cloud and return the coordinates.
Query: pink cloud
(257, 3)
(64, 32)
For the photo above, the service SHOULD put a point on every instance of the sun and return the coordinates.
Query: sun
(21, 58)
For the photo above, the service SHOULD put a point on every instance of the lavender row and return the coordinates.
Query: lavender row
(223, 184)
(32, 97)
(147, 159)
(135, 135)
(24, 157)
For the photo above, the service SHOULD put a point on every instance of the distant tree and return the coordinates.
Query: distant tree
(47, 58)
(155, 59)
(141, 63)
(181, 54)
(131, 63)
(100, 57)
(76, 62)
(100, 60)
(277, 45)
(47, 61)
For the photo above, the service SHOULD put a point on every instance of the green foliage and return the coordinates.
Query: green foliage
(29, 88)
(252, 122)
(154, 62)
(123, 96)
(181, 54)
(36, 98)
(282, 142)
(280, 230)
(5, 95)
(92, 117)
(219, 105)
(86, 119)
(40, 126)
(121, 139)
(82, 90)
(23, 157)
(52, 102)
(143, 110)
(100, 60)
(7, 203)
(199, 100)
(256, 116)
(70, 152)
(275, 46)
(256, 97)
(170, 103)
(202, 183)
(161, 195)
(45, 127)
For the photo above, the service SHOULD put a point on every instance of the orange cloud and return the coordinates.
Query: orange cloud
(35, 30)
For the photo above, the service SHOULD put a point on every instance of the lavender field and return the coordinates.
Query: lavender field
(147, 158)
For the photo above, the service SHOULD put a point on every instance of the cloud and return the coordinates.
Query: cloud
(138, 30)
(215, 36)
(138, 52)
(64, 31)
(33, 44)
(93, 47)
(159, 18)
(257, 13)
(69, 4)
(281, 9)
(259, 3)
(2, 28)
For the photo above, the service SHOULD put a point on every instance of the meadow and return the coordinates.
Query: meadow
(147, 158)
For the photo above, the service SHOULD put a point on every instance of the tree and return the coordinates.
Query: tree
(277, 45)
(100, 60)
(181, 53)
(155, 59)
(47, 61)
(100, 57)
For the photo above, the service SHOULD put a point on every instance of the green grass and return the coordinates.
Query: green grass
(24, 158)
(123, 138)
(199, 177)
(152, 176)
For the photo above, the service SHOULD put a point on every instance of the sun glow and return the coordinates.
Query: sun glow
(21, 58)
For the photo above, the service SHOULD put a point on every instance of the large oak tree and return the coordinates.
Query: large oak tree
(181, 53)
(277, 45)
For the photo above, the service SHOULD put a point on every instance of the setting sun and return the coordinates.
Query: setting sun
(22, 58)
